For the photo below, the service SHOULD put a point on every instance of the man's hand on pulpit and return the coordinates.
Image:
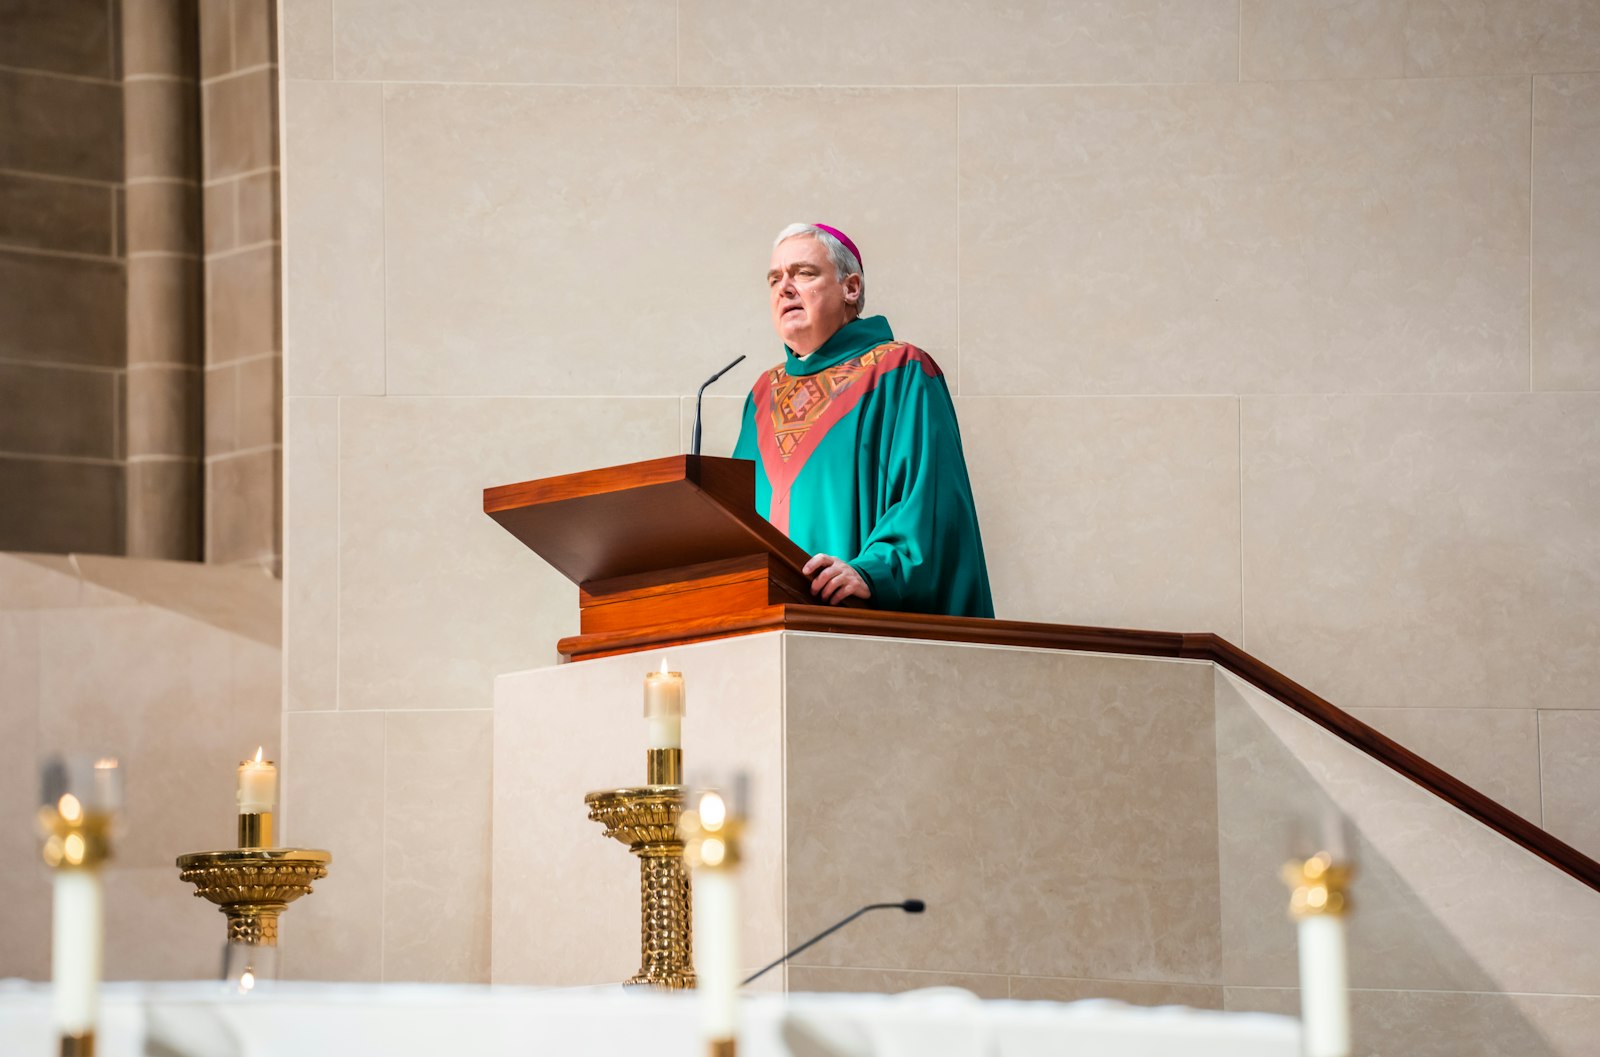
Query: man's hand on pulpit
(834, 579)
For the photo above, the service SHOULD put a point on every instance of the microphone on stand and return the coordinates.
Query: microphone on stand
(694, 448)
(910, 906)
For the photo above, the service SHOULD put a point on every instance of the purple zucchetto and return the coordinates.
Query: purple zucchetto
(843, 238)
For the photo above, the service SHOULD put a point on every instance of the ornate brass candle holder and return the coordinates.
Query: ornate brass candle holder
(646, 820)
(252, 886)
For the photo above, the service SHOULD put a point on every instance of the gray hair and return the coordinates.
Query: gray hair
(845, 263)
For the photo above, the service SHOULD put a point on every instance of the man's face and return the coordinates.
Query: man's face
(809, 302)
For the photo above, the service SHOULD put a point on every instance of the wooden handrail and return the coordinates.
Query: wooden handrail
(1199, 646)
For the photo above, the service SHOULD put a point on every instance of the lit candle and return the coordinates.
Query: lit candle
(258, 785)
(1324, 987)
(257, 796)
(77, 923)
(664, 708)
(79, 801)
(1318, 905)
(713, 850)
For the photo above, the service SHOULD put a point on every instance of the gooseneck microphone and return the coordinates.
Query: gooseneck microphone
(694, 448)
(910, 906)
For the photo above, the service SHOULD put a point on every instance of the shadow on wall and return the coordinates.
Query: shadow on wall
(174, 668)
(1461, 943)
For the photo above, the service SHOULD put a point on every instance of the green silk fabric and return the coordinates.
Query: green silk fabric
(886, 486)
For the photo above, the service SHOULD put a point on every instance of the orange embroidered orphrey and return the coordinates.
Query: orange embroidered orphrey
(798, 404)
(802, 410)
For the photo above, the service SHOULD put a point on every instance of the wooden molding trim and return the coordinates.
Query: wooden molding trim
(1195, 646)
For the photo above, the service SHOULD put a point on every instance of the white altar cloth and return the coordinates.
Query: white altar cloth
(198, 1019)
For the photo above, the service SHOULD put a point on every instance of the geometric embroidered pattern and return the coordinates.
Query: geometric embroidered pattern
(801, 411)
(798, 404)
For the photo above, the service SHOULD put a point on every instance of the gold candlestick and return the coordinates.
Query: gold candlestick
(255, 829)
(646, 820)
(663, 766)
(252, 886)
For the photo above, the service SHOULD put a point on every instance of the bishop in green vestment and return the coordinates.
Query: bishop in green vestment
(858, 455)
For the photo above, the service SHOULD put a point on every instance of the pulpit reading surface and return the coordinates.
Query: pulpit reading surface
(662, 549)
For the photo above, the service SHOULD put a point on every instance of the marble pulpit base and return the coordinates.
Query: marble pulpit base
(1079, 824)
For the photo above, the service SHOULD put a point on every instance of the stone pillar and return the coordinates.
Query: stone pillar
(61, 279)
(161, 146)
(243, 361)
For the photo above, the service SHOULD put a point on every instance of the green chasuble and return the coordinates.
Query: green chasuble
(858, 455)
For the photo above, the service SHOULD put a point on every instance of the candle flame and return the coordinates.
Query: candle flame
(259, 749)
(664, 669)
(69, 808)
(713, 812)
(247, 981)
(107, 763)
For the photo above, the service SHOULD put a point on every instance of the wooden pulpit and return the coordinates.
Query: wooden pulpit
(673, 550)
(665, 551)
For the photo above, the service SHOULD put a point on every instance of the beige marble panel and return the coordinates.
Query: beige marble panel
(724, 415)
(1569, 751)
(436, 599)
(333, 798)
(562, 731)
(157, 930)
(19, 739)
(1425, 551)
(1451, 1024)
(1133, 992)
(25, 919)
(1496, 751)
(1306, 40)
(600, 42)
(257, 675)
(1566, 232)
(333, 238)
(517, 269)
(906, 42)
(1119, 512)
(1444, 903)
(47, 581)
(892, 981)
(1245, 238)
(1056, 811)
(306, 46)
(154, 689)
(311, 553)
(1466, 38)
(436, 845)
(247, 602)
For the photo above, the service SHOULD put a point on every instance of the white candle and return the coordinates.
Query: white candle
(1324, 986)
(716, 950)
(258, 785)
(76, 946)
(664, 708)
